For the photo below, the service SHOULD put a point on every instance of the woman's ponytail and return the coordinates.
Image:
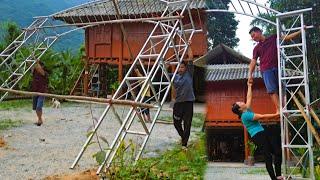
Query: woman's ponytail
(236, 110)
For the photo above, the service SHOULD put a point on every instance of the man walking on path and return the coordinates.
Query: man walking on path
(266, 51)
(39, 84)
(183, 106)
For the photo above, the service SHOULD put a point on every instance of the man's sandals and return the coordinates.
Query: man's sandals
(38, 123)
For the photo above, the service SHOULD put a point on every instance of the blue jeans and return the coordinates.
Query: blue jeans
(37, 102)
(271, 80)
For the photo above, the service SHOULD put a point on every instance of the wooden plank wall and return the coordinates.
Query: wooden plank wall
(105, 44)
(222, 94)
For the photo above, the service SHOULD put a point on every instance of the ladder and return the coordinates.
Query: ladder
(293, 80)
(15, 62)
(167, 44)
(79, 85)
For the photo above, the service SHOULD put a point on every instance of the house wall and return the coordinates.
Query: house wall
(105, 43)
(222, 94)
(219, 119)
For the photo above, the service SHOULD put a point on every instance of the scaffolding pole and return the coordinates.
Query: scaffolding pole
(292, 55)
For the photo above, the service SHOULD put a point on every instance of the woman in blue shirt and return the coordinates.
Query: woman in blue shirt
(258, 135)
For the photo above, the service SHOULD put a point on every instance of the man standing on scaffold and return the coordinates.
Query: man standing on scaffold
(266, 51)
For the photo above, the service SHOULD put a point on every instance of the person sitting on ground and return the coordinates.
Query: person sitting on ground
(39, 84)
(258, 135)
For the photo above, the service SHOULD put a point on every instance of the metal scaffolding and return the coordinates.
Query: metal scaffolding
(18, 58)
(293, 79)
(248, 8)
(166, 45)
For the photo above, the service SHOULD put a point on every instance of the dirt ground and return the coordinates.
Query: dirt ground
(2, 142)
(85, 175)
(33, 152)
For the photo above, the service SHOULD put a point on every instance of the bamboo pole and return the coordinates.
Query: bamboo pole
(162, 121)
(91, 99)
(124, 32)
(313, 130)
(313, 114)
(246, 139)
(89, 24)
(82, 101)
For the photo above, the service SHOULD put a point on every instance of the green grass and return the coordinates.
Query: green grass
(165, 118)
(27, 103)
(172, 164)
(317, 172)
(7, 105)
(306, 172)
(197, 119)
(8, 124)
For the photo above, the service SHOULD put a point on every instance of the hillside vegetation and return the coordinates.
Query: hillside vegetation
(22, 12)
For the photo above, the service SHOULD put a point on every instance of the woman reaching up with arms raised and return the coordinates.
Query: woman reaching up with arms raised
(258, 135)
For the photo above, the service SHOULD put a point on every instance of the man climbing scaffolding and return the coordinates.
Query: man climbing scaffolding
(266, 51)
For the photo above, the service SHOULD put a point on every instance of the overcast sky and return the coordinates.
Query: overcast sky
(246, 45)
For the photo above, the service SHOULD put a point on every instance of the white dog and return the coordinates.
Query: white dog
(55, 103)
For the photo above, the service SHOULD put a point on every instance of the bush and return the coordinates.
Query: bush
(172, 164)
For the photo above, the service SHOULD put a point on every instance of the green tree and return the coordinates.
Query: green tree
(64, 68)
(221, 26)
(9, 31)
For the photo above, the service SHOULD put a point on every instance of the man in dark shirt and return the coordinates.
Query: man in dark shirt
(39, 84)
(183, 106)
(266, 50)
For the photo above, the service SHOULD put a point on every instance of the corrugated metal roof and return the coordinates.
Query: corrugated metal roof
(222, 72)
(214, 56)
(126, 7)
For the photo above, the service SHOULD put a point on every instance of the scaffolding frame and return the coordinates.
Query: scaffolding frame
(166, 45)
(44, 31)
(292, 68)
(292, 56)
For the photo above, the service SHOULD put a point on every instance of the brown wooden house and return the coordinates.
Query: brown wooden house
(226, 83)
(105, 44)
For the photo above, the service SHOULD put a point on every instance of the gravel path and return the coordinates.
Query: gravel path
(36, 152)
